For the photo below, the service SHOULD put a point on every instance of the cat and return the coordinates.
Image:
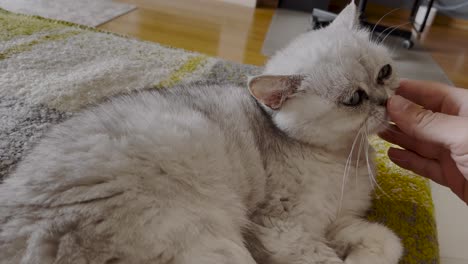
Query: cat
(216, 174)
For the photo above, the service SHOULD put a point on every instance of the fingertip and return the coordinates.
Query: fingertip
(396, 153)
(382, 134)
(385, 135)
(397, 104)
(402, 83)
(391, 151)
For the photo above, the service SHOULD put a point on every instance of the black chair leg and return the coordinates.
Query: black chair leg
(362, 9)
(428, 11)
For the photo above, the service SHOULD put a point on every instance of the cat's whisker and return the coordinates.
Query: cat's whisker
(389, 127)
(378, 118)
(393, 29)
(386, 124)
(393, 130)
(366, 143)
(371, 175)
(380, 20)
(382, 121)
(384, 31)
(347, 169)
(361, 144)
(393, 49)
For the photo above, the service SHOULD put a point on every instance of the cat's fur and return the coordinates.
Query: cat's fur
(209, 174)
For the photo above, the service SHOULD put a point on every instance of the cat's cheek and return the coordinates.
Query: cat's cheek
(378, 123)
(379, 128)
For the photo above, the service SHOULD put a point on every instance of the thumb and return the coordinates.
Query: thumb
(426, 125)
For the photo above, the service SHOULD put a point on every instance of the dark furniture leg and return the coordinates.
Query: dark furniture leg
(362, 8)
(414, 9)
(428, 11)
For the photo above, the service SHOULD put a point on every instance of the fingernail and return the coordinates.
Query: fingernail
(398, 104)
(396, 156)
(392, 152)
(401, 82)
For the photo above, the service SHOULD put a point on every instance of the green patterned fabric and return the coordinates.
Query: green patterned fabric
(404, 204)
(49, 70)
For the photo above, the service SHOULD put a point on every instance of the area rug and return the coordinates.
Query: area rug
(85, 12)
(49, 70)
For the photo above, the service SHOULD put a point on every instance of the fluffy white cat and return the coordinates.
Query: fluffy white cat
(216, 174)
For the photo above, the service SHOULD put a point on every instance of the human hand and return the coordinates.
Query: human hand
(434, 136)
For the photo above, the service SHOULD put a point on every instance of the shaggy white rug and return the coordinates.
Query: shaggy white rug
(85, 12)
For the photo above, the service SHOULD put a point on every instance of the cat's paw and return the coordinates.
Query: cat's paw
(314, 259)
(368, 260)
(385, 248)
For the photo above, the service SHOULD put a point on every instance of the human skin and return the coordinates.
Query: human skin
(431, 125)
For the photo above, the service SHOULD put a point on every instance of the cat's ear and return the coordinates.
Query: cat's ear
(348, 17)
(274, 90)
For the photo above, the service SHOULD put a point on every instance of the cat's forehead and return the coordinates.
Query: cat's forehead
(327, 48)
(351, 61)
(331, 81)
(352, 45)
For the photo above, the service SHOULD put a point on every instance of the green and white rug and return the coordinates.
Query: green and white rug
(49, 70)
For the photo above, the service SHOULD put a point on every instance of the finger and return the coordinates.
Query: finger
(433, 95)
(465, 192)
(453, 176)
(394, 135)
(417, 164)
(426, 125)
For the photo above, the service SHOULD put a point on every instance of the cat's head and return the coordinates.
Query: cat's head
(328, 84)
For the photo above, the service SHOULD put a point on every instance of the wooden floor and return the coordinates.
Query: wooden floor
(236, 33)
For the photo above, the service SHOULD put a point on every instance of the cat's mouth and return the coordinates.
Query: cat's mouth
(377, 122)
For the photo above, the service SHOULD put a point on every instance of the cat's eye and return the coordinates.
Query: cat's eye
(356, 99)
(384, 73)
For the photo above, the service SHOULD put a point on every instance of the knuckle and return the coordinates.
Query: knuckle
(460, 147)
